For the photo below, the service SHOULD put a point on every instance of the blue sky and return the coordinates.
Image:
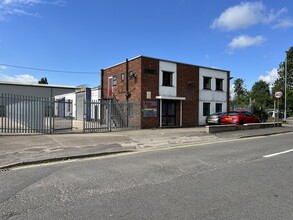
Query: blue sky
(249, 38)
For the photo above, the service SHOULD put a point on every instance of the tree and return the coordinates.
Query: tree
(281, 70)
(279, 84)
(241, 94)
(260, 93)
(43, 81)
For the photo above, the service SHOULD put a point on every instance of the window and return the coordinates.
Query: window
(219, 84)
(248, 114)
(206, 109)
(114, 80)
(207, 82)
(122, 76)
(167, 78)
(218, 107)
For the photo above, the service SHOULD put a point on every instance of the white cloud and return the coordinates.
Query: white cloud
(10, 2)
(246, 41)
(239, 16)
(270, 76)
(25, 78)
(24, 7)
(283, 24)
(3, 67)
(247, 14)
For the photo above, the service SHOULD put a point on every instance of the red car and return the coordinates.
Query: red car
(239, 118)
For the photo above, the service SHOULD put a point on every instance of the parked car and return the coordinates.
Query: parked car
(215, 119)
(239, 118)
(274, 113)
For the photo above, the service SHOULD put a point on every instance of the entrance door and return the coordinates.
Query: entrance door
(168, 113)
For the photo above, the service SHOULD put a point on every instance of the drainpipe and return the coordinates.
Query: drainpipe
(127, 92)
(102, 96)
(102, 84)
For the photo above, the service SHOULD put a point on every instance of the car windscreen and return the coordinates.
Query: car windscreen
(233, 113)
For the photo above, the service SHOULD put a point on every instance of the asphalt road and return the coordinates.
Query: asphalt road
(240, 179)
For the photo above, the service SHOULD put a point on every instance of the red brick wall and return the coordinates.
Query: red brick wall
(134, 86)
(188, 87)
(150, 82)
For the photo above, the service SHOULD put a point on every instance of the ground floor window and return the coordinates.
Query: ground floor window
(206, 109)
(168, 113)
(218, 107)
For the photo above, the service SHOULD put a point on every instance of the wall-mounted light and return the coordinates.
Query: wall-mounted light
(132, 75)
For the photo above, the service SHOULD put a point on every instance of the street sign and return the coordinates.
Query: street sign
(278, 94)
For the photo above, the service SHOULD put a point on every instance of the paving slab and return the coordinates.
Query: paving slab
(22, 149)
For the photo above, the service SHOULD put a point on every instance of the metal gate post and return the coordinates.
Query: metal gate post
(84, 116)
(109, 115)
(51, 113)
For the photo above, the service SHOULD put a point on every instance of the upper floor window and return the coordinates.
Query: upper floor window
(167, 78)
(207, 82)
(114, 80)
(122, 76)
(219, 84)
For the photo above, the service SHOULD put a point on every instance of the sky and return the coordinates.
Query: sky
(77, 38)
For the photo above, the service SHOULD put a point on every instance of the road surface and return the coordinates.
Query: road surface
(239, 179)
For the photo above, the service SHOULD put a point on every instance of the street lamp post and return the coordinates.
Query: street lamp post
(285, 111)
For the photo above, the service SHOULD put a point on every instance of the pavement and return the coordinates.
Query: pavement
(18, 150)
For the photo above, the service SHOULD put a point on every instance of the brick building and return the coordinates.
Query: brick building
(170, 94)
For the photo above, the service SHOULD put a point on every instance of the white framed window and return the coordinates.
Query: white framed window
(114, 80)
(219, 84)
(206, 109)
(167, 78)
(207, 83)
(219, 107)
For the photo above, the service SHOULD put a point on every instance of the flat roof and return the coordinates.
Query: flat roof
(38, 85)
(141, 56)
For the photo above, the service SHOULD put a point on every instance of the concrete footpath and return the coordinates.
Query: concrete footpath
(17, 150)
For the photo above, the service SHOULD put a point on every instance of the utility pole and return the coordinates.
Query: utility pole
(285, 111)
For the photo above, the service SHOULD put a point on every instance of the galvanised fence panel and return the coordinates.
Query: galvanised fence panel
(96, 115)
(62, 120)
(26, 114)
(108, 115)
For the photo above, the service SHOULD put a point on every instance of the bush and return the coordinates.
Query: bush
(261, 113)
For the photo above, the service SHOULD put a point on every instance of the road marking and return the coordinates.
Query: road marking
(279, 153)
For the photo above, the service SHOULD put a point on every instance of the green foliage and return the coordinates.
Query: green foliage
(279, 84)
(260, 93)
(260, 112)
(241, 94)
(43, 81)
(281, 71)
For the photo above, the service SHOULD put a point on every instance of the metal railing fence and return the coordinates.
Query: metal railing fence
(27, 114)
(108, 115)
